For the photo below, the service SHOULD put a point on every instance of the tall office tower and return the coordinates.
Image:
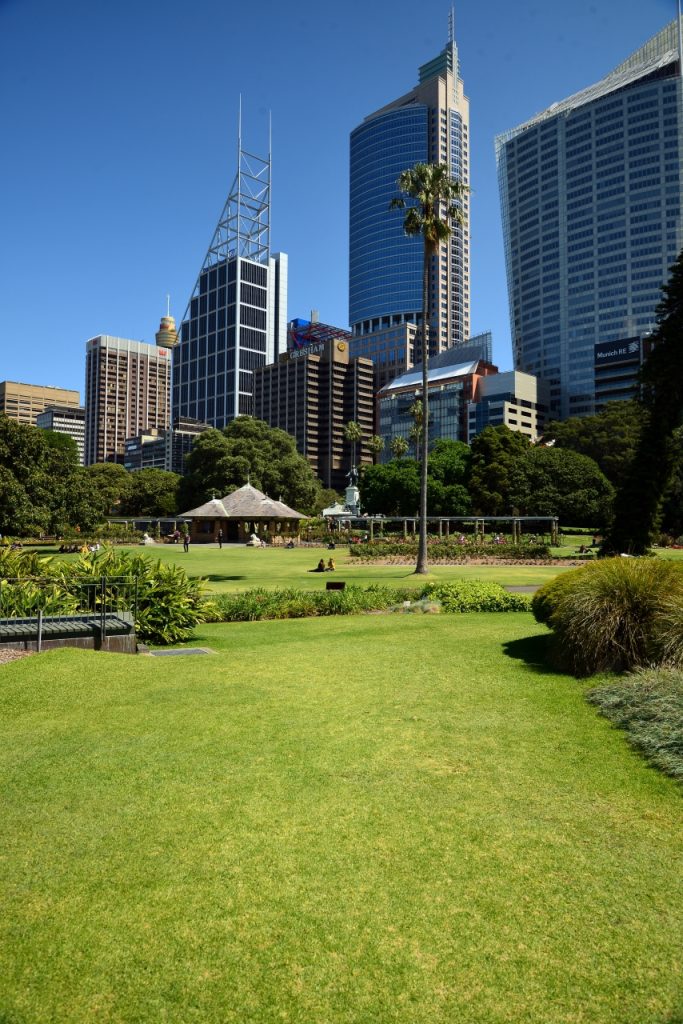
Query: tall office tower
(312, 392)
(236, 319)
(430, 124)
(127, 392)
(65, 419)
(591, 200)
(24, 402)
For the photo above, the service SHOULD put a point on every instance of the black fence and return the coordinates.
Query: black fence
(37, 608)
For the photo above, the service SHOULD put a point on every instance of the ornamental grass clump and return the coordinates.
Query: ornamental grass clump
(649, 705)
(616, 614)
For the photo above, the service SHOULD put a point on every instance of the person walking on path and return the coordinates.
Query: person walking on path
(220, 538)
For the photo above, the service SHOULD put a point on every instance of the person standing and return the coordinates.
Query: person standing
(220, 538)
(186, 541)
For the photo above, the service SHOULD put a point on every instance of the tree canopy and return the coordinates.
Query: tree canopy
(611, 437)
(639, 501)
(247, 450)
(393, 489)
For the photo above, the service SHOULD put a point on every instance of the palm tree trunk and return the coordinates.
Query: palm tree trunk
(421, 566)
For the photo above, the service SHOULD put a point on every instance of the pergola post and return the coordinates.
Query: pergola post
(405, 529)
(440, 528)
(372, 530)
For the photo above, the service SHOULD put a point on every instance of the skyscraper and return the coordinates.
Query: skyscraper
(236, 319)
(430, 124)
(591, 200)
(127, 392)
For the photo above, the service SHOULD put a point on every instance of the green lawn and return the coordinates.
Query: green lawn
(349, 821)
(239, 568)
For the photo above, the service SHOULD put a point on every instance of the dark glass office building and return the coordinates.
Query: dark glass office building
(430, 124)
(591, 202)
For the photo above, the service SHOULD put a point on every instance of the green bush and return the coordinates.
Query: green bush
(615, 614)
(465, 595)
(475, 596)
(257, 604)
(169, 604)
(449, 550)
(649, 706)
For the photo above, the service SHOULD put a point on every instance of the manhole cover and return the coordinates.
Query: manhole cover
(181, 650)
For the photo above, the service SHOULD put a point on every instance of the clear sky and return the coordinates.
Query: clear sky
(118, 143)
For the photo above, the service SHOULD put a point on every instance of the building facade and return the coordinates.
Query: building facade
(513, 399)
(451, 387)
(312, 392)
(65, 419)
(127, 392)
(591, 194)
(430, 124)
(25, 402)
(163, 449)
(236, 318)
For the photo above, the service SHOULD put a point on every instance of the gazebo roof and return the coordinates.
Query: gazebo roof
(249, 503)
(245, 503)
(213, 509)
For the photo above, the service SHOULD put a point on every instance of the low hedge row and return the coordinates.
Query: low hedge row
(459, 596)
(449, 550)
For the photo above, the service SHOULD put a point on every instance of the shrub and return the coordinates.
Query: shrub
(649, 706)
(475, 596)
(615, 614)
(449, 550)
(169, 604)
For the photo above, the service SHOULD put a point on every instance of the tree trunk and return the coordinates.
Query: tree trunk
(421, 566)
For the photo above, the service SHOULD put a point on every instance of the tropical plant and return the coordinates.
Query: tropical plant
(353, 432)
(435, 200)
(399, 446)
(376, 445)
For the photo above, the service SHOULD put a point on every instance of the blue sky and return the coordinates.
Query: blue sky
(119, 123)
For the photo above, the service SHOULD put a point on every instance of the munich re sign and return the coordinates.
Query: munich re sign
(616, 351)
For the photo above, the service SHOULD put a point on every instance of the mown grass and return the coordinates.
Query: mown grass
(343, 820)
(240, 568)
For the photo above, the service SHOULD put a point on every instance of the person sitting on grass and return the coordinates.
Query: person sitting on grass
(320, 566)
(331, 566)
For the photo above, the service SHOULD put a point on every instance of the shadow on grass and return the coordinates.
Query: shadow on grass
(215, 577)
(534, 651)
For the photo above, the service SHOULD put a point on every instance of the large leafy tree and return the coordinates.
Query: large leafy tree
(433, 204)
(639, 500)
(393, 489)
(611, 437)
(152, 492)
(494, 453)
(560, 482)
(247, 450)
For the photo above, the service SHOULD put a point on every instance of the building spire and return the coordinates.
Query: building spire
(451, 25)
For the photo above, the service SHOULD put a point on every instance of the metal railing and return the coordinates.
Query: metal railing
(36, 606)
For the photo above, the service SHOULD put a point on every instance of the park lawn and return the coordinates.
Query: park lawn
(237, 567)
(366, 819)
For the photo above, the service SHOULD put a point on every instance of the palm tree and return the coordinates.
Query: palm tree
(353, 432)
(376, 445)
(416, 413)
(399, 446)
(436, 206)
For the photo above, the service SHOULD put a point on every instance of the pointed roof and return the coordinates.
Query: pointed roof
(210, 510)
(248, 502)
(245, 503)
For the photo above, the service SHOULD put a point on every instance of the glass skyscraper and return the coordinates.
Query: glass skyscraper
(591, 202)
(236, 319)
(430, 124)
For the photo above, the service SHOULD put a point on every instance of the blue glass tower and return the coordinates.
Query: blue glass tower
(591, 195)
(430, 124)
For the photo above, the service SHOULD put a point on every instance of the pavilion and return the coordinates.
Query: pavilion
(245, 512)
